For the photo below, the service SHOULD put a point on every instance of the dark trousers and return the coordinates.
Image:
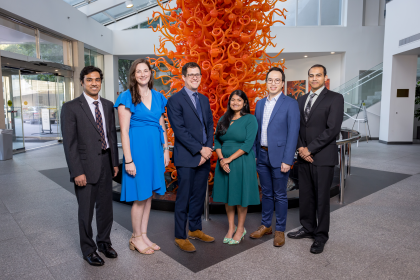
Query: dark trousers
(273, 187)
(192, 184)
(314, 199)
(97, 195)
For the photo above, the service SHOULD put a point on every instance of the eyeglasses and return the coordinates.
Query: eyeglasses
(276, 81)
(194, 76)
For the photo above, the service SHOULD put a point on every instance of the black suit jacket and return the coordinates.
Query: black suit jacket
(186, 124)
(81, 138)
(321, 130)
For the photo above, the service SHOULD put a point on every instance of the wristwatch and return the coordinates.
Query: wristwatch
(165, 148)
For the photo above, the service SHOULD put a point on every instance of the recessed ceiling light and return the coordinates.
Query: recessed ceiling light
(332, 52)
(129, 4)
(305, 56)
(56, 70)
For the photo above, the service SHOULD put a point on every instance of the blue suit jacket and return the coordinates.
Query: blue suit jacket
(282, 130)
(186, 124)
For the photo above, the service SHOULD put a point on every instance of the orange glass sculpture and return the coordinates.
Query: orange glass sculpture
(228, 39)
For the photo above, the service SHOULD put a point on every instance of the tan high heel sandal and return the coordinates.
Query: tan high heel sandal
(153, 245)
(133, 247)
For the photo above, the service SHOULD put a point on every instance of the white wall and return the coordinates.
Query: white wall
(298, 69)
(400, 64)
(61, 18)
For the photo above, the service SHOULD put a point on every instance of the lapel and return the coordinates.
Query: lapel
(261, 112)
(202, 108)
(105, 108)
(188, 99)
(317, 102)
(302, 107)
(280, 101)
(88, 112)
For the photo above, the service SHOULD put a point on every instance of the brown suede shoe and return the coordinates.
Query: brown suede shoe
(185, 245)
(278, 239)
(198, 234)
(261, 231)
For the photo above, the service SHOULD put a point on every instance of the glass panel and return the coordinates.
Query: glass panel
(101, 18)
(87, 57)
(290, 6)
(40, 107)
(145, 24)
(123, 73)
(331, 12)
(51, 48)
(308, 11)
(13, 105)
(61, 97)
(74, 2)
(17, 38)
(139, 4)
(119, 11)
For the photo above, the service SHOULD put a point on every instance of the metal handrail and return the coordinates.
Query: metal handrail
(345, 145)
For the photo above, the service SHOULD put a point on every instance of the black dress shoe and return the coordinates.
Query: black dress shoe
(317, 247)
(107, 250)
(299, 234)
(94, 259)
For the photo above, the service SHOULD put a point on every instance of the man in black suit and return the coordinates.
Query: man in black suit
(191, 119)
(320, 124)
(90, 146)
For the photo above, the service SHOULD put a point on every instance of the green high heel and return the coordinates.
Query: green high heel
(234, 242)
(226, 240)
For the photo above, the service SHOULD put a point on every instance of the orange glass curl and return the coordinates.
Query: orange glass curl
(228, 39)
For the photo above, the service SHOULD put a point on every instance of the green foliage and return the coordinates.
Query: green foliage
(124, 71)
(417, 101)
(28, 49)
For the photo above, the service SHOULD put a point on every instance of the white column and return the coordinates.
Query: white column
(2, 124)
(78, 64)
(397, 113)
(111, 77)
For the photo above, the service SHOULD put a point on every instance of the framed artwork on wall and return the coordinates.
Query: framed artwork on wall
(296, 88)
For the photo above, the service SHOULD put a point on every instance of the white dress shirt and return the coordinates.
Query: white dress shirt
(92, 107)
(268, 109)
(317, 93)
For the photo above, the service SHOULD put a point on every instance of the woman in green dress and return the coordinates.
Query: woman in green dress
(235, 179)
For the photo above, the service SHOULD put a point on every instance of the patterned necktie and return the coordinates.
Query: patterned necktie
(308, 106)
(100, 125)
(200, 115)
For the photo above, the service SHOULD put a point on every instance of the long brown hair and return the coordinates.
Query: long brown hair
(133, 86)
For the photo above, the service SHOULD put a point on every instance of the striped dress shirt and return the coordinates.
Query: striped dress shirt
(268, 109)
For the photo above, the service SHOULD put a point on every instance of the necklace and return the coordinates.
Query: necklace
(146, 94)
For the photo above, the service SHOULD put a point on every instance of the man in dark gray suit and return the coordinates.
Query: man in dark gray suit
(90, 146)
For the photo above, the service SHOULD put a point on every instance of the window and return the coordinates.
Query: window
(17, 38)
(310, 12)
(51, 48)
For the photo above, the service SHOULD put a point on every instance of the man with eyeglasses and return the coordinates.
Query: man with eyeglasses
(320, 124)
(191, 120)
(275, 145)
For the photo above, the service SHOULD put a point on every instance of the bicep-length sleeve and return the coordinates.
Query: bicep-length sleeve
(217, 143)
(126, 100)
(251, 132)
(164, 101)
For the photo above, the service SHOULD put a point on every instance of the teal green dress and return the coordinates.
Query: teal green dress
(240, 186)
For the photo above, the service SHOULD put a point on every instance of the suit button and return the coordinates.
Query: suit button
(99, 140)
(99, 154)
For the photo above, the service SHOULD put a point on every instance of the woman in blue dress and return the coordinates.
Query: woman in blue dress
(145, 147)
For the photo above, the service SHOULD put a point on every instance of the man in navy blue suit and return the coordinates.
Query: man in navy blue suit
(191, 120)
(275, 145)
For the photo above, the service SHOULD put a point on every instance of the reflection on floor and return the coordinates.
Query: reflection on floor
(373, 236)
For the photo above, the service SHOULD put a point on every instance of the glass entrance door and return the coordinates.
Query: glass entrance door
(13, 105)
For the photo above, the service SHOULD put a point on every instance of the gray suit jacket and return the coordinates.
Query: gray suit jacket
(82, 141)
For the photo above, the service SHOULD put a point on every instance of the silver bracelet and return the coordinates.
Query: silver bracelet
(165, 148)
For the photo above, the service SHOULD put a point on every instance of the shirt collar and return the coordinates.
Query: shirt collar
(318, 92)
(189, 92)
(275, 98)
(90, 100)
